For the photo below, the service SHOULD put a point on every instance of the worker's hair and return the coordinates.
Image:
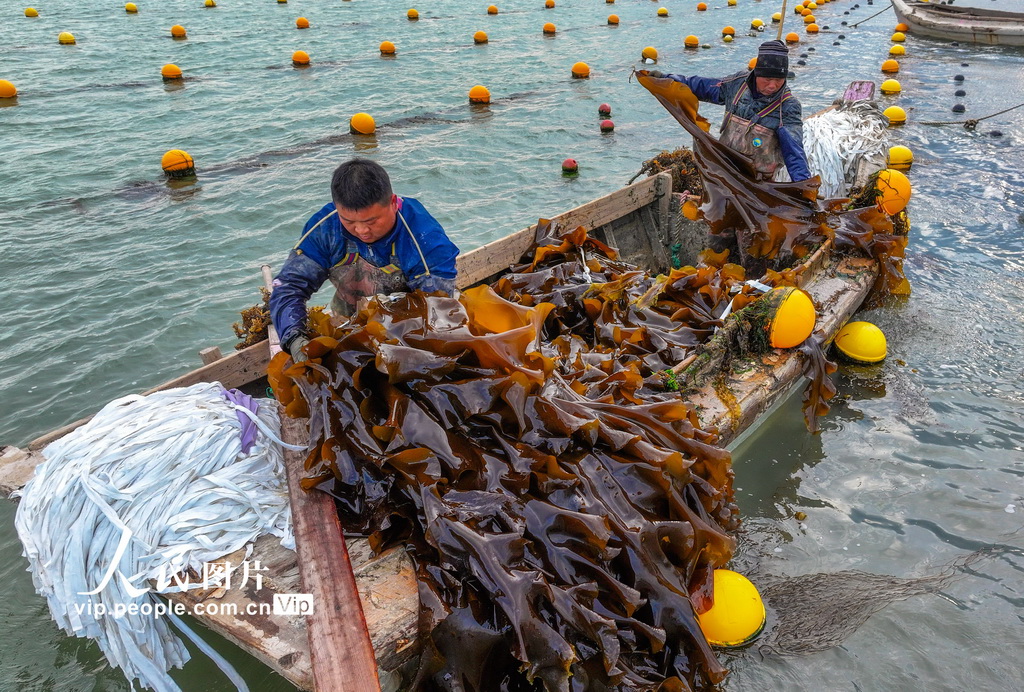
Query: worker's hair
(360, 183)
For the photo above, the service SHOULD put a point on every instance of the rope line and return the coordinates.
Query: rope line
(854, 26)
(973, 122)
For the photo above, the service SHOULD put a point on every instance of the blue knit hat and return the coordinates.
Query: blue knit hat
(772, 60)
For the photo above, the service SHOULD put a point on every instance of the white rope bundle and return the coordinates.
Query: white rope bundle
(836, 141)
(149, 487)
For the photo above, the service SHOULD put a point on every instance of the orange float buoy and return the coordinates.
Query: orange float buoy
(492, 9)
(301, 23)
(549, 4)
(728, 31)
(890, 66)
(792, 37)
(362, 124)
(170, 72)
(902, 28)
(811, 28)
(387, 48)
(613, 19)
(809, 19)
(701, 7)
(580, 70)
(177, 163)
(7, 90)
(300, 58)
(691, 41)
(480, 37)
(479, 94)
(752, 64)
(549, 28)
(413, 15)
(178, 31)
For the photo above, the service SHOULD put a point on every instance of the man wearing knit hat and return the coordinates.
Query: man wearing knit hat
(762, 117)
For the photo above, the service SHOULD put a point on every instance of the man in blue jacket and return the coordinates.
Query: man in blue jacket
(762, 117)
(368, 240)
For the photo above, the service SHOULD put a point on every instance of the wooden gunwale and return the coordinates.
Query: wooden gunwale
(386, 583)
(991, 27)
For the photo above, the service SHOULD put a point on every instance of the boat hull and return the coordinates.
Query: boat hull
(961, 24)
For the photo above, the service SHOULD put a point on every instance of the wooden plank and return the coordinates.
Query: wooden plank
(498, 255)
(210, 354)
(340, 650)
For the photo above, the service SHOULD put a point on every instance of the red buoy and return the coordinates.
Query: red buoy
(607, 126)
(570, 166)
(604, 109)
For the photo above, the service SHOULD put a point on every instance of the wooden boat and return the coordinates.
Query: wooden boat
(955, 23)
(644, 222)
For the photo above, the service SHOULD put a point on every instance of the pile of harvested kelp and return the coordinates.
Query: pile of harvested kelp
(563, 510)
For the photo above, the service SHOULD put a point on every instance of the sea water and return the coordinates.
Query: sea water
(113, 279)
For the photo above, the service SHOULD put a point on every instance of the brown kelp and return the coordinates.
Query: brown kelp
(563, 509)
(769, 224)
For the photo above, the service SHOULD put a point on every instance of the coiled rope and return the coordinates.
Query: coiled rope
(150, 487)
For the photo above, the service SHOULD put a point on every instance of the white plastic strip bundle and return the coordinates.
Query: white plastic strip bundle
(836, 141)
(149, 487)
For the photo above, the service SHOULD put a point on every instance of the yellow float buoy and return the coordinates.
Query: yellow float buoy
(890, 66)
(896, 115)
(301, 23)
(131, 8)
(549, 4)
(701, 7)
(902, 28)
(7, 90)
(812, 5)
(809, 19)
(727, 38)
(613, 19)
(811, 28)
(479, 94)
(549, 28)
(791, 318)
(178, 31)
(792, 37)
(890, 87)
(897, 50)
(413, 15)
(580, 70)
(757, 24)
(170, 72)
(300, 58)
(362, 124)
(209, 3)
(894, 189)
(480, 37)
(177, 163)
(737, 615)
(662, 11)
(649, 53)
(899, 37)
(66, 38)
(731, 3)
(862, 342)
(387, 48)
(492, 9)
(282, 2)
(31, 12)
(728, 31)
(776, 17)
(901, 158)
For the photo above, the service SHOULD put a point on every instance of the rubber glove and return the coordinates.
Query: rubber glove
(295, 348)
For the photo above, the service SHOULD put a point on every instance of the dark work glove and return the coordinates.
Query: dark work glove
(295, 348)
